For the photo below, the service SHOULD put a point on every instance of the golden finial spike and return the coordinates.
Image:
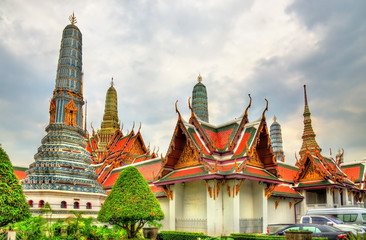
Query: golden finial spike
(274, 118)
(72, 19)
(306, 98)
(112, 82)
(199, 78)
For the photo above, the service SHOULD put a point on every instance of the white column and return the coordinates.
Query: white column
(231, 209)
(329, 198)
(260, 204)
(175, 204)
(214, 208)
(265, 212)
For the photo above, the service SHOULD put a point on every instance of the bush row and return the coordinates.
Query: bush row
(177, 235)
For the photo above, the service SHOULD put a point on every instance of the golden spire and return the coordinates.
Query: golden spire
(199, 78)
(274, 118)
(308, 136)
(72, 19)
(112, 82)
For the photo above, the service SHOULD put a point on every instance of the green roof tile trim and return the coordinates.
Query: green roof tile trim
(137, 165)
(357, 165)
(22, 169)
(169, 177)
(287, 166)
(321, 183)
(252, 131)
(266, 176)
(234, 126)
(191, 132)
(285, 194)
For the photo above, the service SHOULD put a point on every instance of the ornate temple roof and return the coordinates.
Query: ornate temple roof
(316, 170)
(236, 149)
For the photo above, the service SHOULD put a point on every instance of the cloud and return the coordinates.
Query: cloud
(155, 51)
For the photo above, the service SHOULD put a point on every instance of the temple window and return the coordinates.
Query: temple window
(76, 205)
(88, 205)
(70, 114)
(41, 203)
(63, 204)
(30, 203)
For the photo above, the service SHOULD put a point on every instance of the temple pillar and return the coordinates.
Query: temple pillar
(337, 197)
(329, 196)
(175, 204)
(232, 208)
(214, 207)
(346, 202)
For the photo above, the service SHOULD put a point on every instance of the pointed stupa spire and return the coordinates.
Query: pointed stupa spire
(308, 136)
(64, 147)
(276, 140)
(199, 100)
(110, 123)
(72, 19)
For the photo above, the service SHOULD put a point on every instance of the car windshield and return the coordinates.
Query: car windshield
(326, 228)
(335, 220)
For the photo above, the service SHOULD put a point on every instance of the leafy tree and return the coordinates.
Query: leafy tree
(33, 228)
(13, 205)
(131, 203)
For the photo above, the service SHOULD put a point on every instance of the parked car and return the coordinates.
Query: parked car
(350, 215)
(335, 222)
(318, 230)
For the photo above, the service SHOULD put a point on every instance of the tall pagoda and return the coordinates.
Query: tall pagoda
(199, 100)
(61, 174)
(110, 122)
(276, 140)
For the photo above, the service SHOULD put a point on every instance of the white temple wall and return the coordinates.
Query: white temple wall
(54, 198)
(194, 200)
(246, 200)
(260, 200)
(283, 213)
(164, 205)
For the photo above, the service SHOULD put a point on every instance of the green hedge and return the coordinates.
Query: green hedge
(248, 236)
(176, 235)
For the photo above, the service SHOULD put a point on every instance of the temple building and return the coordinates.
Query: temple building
(110, 122)
(224, 178)
(61, 174)
(111, 150)
(216, 179)
(320, 179)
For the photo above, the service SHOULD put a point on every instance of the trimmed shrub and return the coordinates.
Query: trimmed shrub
(177, 235)
(131, 203)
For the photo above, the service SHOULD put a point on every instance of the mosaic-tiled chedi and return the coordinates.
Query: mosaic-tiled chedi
(62, 161)
(199, 100)
(276, 140)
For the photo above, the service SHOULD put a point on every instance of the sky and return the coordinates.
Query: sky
(154, 50)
